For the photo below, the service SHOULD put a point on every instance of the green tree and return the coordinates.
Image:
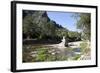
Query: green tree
(30, 27)
(37, 25)
(74, 36)
(84, 23)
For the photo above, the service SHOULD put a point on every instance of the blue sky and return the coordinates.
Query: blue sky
(63, 18)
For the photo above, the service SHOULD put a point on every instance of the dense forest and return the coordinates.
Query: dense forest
(37, 25)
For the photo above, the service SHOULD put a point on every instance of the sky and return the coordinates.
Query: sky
(65, 19)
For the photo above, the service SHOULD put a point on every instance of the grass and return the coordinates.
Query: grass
(76, 57)
(43, 54)
(83, 46)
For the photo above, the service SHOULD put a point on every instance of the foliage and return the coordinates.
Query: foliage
(37, 25)
(83, 46)
(29, 27)
(76, 57)
(84, 23)
(26, 56)
(74, 36)
(43, 54)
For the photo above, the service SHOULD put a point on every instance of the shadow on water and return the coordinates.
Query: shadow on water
(33, 41)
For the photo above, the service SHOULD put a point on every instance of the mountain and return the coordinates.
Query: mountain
(39, 17)
(37, 25)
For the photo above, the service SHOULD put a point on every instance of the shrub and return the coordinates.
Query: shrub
(42, 54)
(76, 57)
(83, 46)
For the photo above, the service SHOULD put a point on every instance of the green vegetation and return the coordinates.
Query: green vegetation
(26, 56)
(41, 54)
(84, 23)
(38, 26)
(74, 36)
(76, 57)
(83, 46)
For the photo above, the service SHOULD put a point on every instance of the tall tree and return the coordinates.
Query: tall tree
(30, 28)
(84, 23)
